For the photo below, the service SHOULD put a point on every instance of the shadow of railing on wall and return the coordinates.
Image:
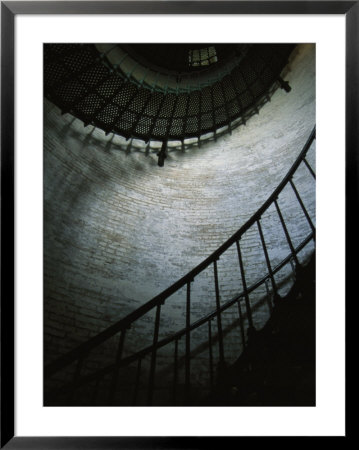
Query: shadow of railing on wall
(103, 386)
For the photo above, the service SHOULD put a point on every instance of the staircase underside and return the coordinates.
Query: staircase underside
(278, 366)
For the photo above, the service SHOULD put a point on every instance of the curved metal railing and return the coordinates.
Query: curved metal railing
(79, 354)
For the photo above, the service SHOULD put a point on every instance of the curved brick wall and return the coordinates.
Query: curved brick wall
(119, 229)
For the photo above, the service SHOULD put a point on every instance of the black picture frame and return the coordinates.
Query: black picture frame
(9, 9)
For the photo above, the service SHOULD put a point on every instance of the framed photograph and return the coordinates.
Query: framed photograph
(173, 274)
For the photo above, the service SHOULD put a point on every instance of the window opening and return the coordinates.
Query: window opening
(202, 57)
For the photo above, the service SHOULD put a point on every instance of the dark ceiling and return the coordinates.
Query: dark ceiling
(163, 91)
(177, 57)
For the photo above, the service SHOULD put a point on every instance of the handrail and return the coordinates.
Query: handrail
(125, 323)
(167, 340)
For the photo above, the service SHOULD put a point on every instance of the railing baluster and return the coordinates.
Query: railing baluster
(303, 207)
(268, 296)
(309, 167)
(95, 392)
(219, 319)
(186, 118)
(238, 99)
(274, 285)
(244, 284)
(226, 108)
(175, 374)
(210, 352)
(137, 382)
(188, 342)
(241, 324)
(213, 114)
(285, 229)
(153, 357)
(113, 387)
(79, 364)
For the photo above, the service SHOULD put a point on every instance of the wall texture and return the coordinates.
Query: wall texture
(118, 229)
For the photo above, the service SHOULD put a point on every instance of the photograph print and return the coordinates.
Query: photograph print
(179, 224)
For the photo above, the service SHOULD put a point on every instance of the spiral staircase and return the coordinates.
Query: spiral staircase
(121, 89)
(171, 98)
(135, 379)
